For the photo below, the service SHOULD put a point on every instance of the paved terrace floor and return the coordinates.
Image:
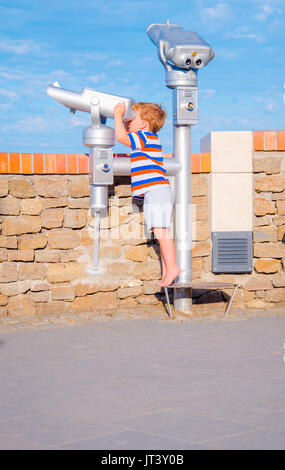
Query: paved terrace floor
(142, 381)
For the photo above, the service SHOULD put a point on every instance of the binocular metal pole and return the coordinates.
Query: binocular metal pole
(183, 216)
(98, 202)
(185, 113)
(96, 241)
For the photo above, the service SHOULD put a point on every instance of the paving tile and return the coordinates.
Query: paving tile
(53, 430)
(219, 404)
(8, 412)
(261, 439)
(184, 425)
(132, 440)
(274, 421)
(16, 442)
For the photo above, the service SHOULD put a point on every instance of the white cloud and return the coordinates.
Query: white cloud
(228, 54)
(33, 124)
(221, 11)
(10, 75)
(27, 125)
(99, 77)
(244, 33)
(95, 55)
(8, 94)
(59, 73)
(19, 46)
(78, 120)
(115, 63)
(268, 104)
(207, 93)
(85, 58)
(266, 10)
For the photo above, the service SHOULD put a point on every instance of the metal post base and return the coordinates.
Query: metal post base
(94, 271)
(205, 285)
(183, 300)
(168, 303)
(230, 301)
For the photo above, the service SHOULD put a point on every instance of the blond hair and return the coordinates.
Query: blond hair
(152, 113)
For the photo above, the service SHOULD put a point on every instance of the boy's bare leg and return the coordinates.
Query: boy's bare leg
(163, 271)
(168, 256)
(163, 267)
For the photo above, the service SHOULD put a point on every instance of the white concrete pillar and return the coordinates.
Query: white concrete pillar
(231, 182)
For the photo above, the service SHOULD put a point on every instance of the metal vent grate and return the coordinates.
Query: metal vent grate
(231, 252)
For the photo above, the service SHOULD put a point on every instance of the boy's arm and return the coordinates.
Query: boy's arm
(120, 131)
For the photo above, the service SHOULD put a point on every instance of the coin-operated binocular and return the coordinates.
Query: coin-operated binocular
(100, 139)
(182, 54)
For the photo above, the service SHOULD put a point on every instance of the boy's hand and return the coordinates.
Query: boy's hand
(119, 110)
(120, 131)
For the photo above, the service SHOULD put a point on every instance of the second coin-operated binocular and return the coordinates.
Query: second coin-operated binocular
(183, 49)
(181, 52)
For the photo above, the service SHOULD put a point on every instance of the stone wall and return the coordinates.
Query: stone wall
(269, 227)
(46, 247)
(47, 237)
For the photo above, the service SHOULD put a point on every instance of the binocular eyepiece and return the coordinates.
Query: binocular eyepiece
(193, 63)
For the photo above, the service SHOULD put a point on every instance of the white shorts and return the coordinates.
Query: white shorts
(158, 206)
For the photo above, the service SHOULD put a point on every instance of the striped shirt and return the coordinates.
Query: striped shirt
(147, 170)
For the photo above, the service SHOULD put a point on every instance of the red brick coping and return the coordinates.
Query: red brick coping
(269, 140)
(77, 163)
(71, 163)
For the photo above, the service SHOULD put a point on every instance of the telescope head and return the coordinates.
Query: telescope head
(180, 50)
(83, 101)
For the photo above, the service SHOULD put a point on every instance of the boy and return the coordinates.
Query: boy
(148, 178)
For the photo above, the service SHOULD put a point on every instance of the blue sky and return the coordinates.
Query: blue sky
(103, 44)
